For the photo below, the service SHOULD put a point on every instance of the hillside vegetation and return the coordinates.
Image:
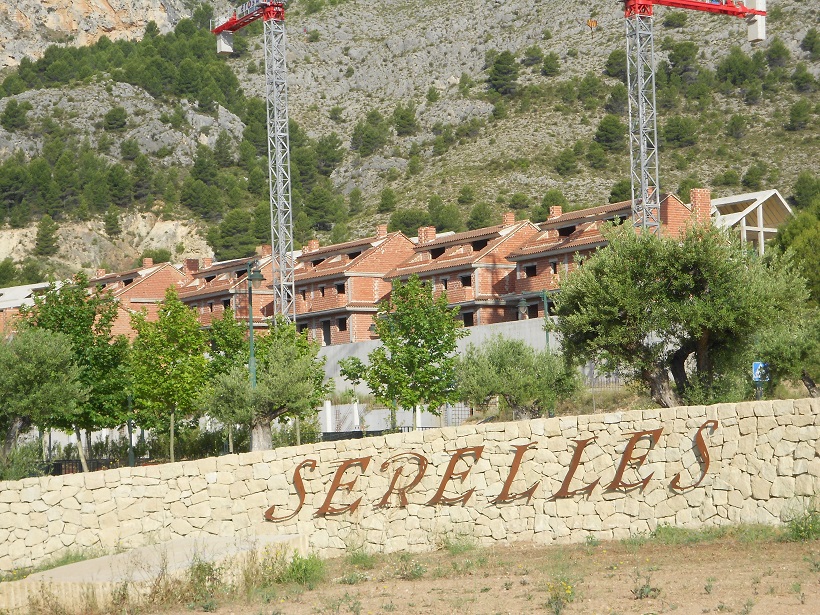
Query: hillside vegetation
(407, 113)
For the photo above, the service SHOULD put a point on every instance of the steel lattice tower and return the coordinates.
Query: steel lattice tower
(276, 100)
(643, 126)
(281, 212)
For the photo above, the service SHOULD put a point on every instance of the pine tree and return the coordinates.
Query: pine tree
(46, 242)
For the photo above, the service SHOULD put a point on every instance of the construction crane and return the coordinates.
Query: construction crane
(272, 15)
(640, 69)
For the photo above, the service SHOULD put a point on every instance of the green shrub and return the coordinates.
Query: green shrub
(804, 525)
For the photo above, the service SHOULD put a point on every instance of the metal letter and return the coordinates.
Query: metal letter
(505, 495)
(326, 508)
(439, 497)
(402, 491)
(300, 491)
(700, 445)
(617, 482)
(564, 491)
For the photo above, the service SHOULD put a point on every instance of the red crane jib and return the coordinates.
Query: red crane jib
(735, 8)
(256, 10)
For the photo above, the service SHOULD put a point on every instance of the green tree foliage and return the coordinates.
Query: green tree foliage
(777, 55)
(387, 200)
(566, 162)
(39, 384)
(802, 79)
(529, 382)
(736, 126)
(686, 185)
(611, 133)
(811, 43)
(415, 365)
(519, 201)
(533, 55)
(644, 305)
(404, 119)
(86, 319)
(370, 134)
(801, 235)
(680, 131)
(675, 19)
(223, 150)
(590, 90)
(294, 392)
(552, 197)
(621, 191)
(157, 255)
(481, 216)
(618, 100)
(503, 75)
(753, 178)
(129, 149)
(115, 119)
(14, 116)
(408, 221)
(551, 65)
(168, 364)
(111, 220)
(799, 115)
(445, 217)
(45, 243)
(738, 69)
(616, 64)
(806, 189)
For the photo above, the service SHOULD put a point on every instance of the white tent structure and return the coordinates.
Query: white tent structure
(756, 215)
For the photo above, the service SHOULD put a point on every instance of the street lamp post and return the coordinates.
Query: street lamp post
(255, 278)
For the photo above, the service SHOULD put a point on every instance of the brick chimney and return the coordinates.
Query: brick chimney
(508, 219)
(426, 234)
(99, 273)
(555, 211)
(264, 250)
(701, 204)
(147, 262)
(207, 262)
(311, 246)
(381, 231)
(190, 266)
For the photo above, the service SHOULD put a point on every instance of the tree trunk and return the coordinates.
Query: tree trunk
(814, 390)
(298, 432)
(88, 454)
(18, 424)
(678, 368)
(230, 439)
(80, 449)
(261, 439)
(171, 439)
(658, 380)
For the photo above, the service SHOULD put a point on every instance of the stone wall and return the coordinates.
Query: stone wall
(545, 480)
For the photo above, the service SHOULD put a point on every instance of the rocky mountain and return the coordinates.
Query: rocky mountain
(350, 57)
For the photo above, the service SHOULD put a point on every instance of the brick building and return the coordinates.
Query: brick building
(214, 287)
(565, 237)
(12, 298)
(140, 289)
(339, 287)
(473, 267)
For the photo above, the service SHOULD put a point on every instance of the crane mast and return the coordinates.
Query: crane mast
(276, 99)
(640, 69)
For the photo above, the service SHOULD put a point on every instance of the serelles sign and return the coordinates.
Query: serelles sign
(401, 484)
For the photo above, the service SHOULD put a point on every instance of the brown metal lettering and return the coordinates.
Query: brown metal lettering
(564, 491)
(402, 491)
(439, 497)
(505, 495)
(700, 445)
(326, 508)
(300, 491)
(627, 458)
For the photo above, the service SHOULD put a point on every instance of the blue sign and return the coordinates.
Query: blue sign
(760, 371)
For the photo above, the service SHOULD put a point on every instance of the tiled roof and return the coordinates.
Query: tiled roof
(587, 234)
(452, 257)
(590, 212)
(131, 273)
(341, 248)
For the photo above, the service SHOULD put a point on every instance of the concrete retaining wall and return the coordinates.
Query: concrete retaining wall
(546, 480)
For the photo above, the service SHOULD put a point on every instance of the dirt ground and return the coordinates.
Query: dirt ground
(730, 575)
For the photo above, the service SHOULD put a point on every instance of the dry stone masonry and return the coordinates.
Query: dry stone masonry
(545, 480)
